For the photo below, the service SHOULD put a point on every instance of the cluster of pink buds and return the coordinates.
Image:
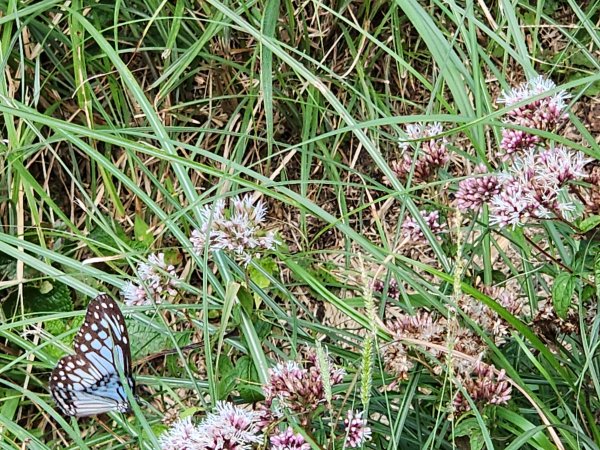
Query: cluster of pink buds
(425, 161)
(484, 386)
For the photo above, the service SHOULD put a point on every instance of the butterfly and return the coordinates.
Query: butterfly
(88, 382)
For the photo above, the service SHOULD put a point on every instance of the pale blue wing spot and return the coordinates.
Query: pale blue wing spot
(105, 367)
(106, 353)
(87, 377)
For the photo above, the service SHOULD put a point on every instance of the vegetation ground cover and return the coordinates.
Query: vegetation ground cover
(328, 224)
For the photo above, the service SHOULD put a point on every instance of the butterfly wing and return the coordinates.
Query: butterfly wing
(88, 382)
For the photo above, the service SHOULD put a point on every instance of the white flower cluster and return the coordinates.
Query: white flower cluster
(415, 131)
(237, 229)
(532, 88)
(157, 281)
(536, 187)
(229, 427)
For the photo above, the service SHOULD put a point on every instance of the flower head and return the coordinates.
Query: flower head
(474, 192)
(432, 155)
(422, 326)
(544, 114)
(412, 231)
(183, 435)
(157, 281)
(229, 427)
(393, 290)
(536, 186)
(298, 388)
(357, 431)
(484, 386)
(236, 229)
(533, 88)
(288, 440)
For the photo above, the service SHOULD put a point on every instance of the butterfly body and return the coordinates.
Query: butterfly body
(88, 382)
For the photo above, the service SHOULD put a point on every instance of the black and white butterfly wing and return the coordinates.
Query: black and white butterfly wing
(88, 382)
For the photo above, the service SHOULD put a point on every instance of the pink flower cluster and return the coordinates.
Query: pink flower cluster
(432, 155)
(157, 282)
(544, 114)
(537, 186)
(423, 336)
(422, 326)
(412, 231)
(235, 229)
(393, 290)
(297, 388)
(229, 427)
(357, 431)
(487, 318)
(288, 440)
(474, 192)
(484, 386)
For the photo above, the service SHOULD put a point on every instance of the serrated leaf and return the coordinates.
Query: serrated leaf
(55, 327)
(146, 341)
(562, 293)
(141, 231)
(269, 266)
(55, 298)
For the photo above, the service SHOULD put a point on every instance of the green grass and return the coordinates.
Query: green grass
(121, 120)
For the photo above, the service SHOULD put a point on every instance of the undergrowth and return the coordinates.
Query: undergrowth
(329, 225)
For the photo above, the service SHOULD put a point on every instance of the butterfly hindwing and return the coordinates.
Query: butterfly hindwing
(88, 382)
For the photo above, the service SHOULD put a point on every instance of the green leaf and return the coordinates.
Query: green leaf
(269, 266)
(246, 300)
(248, 382)
(105, 242)
(591, 90)
(142, 231)
(53, 297)
(472, 430)
(562, 293)
(11, 400)
(597, 274)
(147, 341)
(227, 377)
(589, 223)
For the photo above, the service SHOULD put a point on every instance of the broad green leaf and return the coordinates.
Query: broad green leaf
(228, 374)
(147, 341)
(248, 381)
(142, 231)
(589, 223)
(470, 428)
(562, 293)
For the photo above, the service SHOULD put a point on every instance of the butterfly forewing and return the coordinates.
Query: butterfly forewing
(88, 382)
